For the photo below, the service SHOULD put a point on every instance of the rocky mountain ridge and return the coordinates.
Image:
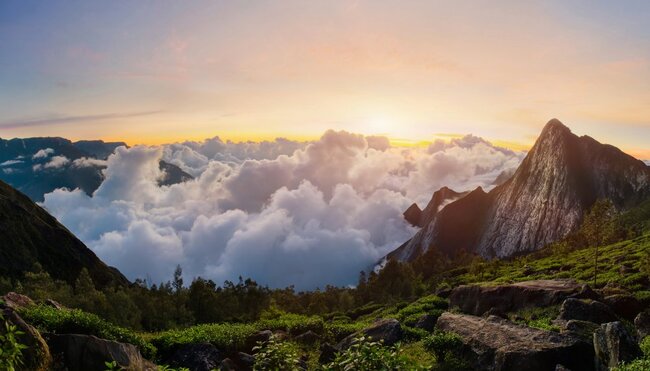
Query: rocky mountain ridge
(546, 198)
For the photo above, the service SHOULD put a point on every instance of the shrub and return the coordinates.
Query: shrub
(276, 355)
(11, 351)
(75, 321)
(366, 355)
(226, 336)
(443, 345)
(414, 334)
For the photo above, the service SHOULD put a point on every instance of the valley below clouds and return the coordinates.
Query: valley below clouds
(281, 212)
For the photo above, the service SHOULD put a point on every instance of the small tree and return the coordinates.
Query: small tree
(600, 227)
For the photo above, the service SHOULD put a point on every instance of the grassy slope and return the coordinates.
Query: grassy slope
(577, 265)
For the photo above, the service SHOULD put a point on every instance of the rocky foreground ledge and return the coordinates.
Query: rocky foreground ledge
(591, 336)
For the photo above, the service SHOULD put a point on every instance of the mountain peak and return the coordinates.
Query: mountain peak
(554, 126)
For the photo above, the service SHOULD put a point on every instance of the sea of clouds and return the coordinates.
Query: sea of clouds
(281, 212)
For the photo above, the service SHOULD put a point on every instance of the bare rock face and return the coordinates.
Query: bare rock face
(36, 357)
(14, 300)
(413, 214)
(477, 299)
(586, 310)
(642, 324)
(545, 200)
(614, 345)
(498, 344)
(439, 200)
(84, 352)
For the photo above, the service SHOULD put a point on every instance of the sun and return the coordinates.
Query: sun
(378, 125)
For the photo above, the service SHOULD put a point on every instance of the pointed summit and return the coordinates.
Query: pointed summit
(545, 200)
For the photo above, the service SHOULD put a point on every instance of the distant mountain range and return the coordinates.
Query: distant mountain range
(543, 201)
(36, 166)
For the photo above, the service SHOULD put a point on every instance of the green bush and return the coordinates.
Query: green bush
(75, 321)
(414, 334)
(364, 354)
(443, 345)
(642, 364)
(336, 331)
(11, 351)
(275, 355)
(226, 336)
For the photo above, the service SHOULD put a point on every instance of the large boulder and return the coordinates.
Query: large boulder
(613, 344)
(478, 299)
(497, 344)
(36, 356)
(586, 310)
(642, 324)
(89, 353)
(389, 331)
(196, 357)
(426, 322)
(624, 305)
(15, 301)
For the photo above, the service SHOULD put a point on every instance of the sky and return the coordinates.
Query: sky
(163, 71)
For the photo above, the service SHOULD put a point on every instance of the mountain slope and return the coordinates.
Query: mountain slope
(28, 235)
(546, 198)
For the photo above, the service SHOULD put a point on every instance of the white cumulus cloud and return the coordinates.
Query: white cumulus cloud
(283, 213)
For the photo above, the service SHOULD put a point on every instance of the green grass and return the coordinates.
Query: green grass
(232, 336)
(578, 265)
(75, 321)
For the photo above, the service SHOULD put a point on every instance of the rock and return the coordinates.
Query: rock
(196, 357)
(54, 304)
(327, 353)
(426, 322)
(256, 338)
(246, 360)
(642, 324)
(37, 354)
(586, 310)
(494, 312)
(613, 345)
(15, 301)
(477, 299)
(413, 214)
(581, 329)
(626, 306)
(561, 368)
(307, 338)
(389, 331)
(227, 365)
(85, 353)
(498, 344)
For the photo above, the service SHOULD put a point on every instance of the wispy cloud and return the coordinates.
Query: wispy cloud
(58, 119)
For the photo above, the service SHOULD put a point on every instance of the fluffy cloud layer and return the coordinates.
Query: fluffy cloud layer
(282, 212)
